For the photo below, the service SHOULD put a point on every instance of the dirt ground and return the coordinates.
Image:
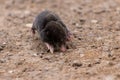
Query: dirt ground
(93, 54)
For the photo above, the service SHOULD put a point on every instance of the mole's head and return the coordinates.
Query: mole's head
(54, 34)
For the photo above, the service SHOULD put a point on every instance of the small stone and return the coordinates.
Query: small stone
(97, 62)
(35, 55)
(25, 69)
(89, 65)
(113, 58)
(4, 43)
(116, 48)
(79, 38)
(94, 21)
(76, 24)
(2, 47)
(19, 63)
(93, 46)
(41, 54)
(29, 25)
(100, 58)
(2, 60)
(109, 55)
(11, 71)
(61, 54)
(87, 73)
(48, 58)
(82, 55)
(82, 21)
(76, 64)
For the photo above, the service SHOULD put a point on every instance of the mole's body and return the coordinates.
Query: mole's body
(51, 30)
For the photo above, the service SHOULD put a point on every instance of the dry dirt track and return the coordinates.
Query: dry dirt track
(93, 54)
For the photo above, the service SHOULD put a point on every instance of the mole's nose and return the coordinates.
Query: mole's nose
(63, 48)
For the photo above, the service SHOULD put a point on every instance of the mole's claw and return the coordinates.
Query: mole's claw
(49, 47)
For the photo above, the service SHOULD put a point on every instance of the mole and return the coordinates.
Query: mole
(52, 31)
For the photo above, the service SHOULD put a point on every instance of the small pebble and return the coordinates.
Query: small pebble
(2, 47)
(2, 60)
(11, 71)
(35, 55)
(25, 69)
(76, 63)
(113, 58)
(97, 62)
(76, 24)
(29, 25)
(94, 21)
(82, 55)
(109, 55)
(4, 43)
(82, 21)
(79, 38)
(116, 48)
(89, 65)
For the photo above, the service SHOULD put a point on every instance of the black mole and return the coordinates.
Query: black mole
(52, 30)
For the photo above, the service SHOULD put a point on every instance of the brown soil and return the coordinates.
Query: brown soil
(94, 52)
